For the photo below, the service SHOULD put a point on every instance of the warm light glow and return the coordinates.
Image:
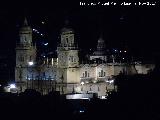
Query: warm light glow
(103, 97)
(125, 51)
(30, 63)
(82, 83)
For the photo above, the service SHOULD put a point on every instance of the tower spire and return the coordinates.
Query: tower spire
(25, 22)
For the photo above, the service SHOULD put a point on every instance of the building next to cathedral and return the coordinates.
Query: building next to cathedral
(66, 73)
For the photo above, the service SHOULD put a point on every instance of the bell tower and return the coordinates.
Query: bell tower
(67, 49)
(68, 59)
(25, 54)
(25, 51)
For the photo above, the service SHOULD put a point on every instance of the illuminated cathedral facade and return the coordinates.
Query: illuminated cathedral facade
(66, 73)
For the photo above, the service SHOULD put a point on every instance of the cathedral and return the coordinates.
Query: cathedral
(66, 73)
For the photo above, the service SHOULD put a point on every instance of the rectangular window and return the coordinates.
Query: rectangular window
(21, 58)
(66, 40)
(101, 73)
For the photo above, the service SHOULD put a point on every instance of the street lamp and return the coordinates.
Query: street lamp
(30, 63)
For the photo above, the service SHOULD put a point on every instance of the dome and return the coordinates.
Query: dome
(99, 53)
(67, 30)
(101, 47)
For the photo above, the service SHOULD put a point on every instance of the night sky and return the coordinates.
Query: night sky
(133, 27)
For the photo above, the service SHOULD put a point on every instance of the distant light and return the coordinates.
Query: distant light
(103, 97)
(37, 32)
(120, 51)
(41, 34)
(81, 111)
(12, 86)
(110, 81)
(123, 58)
(44, 56)
(33, 29)
(125, 51)
(30, 63)
(115, 50)
(46, 44)
(43, 22)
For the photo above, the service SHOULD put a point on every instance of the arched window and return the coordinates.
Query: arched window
(101, 73)
(85, 73)
(71, 58)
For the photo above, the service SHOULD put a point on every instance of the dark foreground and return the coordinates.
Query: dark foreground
(137, 99)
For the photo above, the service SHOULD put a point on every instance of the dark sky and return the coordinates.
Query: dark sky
(134, 26)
